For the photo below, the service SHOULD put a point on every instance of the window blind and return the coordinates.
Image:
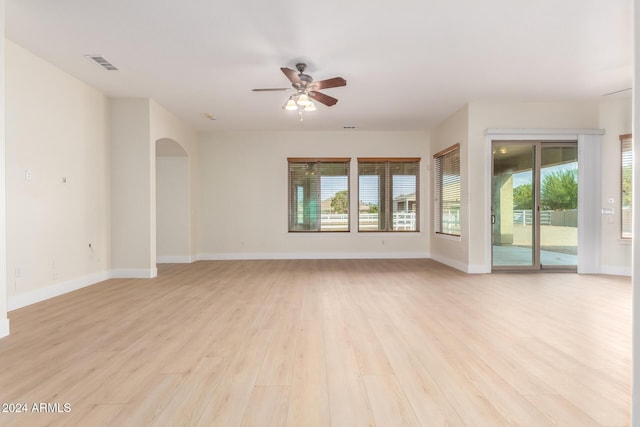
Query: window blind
(626, 196)
(318, 194)
(389, 194)
(447, 191)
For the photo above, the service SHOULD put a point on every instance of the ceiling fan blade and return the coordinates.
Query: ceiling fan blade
(291, 75)
(271, 90)
(321, 97)
(325, 84)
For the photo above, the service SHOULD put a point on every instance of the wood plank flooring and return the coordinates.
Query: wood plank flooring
(324, 343)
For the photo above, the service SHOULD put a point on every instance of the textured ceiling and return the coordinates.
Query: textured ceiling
(408, 64)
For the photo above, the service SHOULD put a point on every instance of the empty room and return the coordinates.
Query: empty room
(289, 213)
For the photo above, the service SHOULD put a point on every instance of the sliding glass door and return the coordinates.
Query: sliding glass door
(534, 205)
(513, 202)
(559, 205)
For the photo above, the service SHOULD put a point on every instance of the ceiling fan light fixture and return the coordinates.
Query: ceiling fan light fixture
(303, 100)
(291, 105)
(310, 106)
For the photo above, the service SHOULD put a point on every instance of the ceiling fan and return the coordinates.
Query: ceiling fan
(306, 89)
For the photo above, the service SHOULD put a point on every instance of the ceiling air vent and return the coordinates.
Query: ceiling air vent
(99, 59)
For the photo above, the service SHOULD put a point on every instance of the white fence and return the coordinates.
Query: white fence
(402, 220)
(563, 217)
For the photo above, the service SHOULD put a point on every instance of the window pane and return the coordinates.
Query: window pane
(371, 185)
(626, 197)
(318, 195)
(447, 192)
(334, 185)
(404, 181)
(388, 195)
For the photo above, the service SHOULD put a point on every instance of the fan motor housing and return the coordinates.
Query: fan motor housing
(301, 66)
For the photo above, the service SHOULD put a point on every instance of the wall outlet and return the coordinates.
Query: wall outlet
(28, 175)
(607, 211)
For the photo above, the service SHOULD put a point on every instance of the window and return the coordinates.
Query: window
(319, 194)
(626, 196)
(447, 191)
(389, 194)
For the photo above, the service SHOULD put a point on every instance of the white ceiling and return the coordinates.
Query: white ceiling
(408, 63)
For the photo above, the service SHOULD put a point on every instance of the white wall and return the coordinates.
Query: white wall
(635, 381)
(446, 249)
(243, 183)
(56, 128)
(165, 125)
(4, 321)
(88, 210)
(615, 118)
(132, 176)
(136, 126)
(172, 209)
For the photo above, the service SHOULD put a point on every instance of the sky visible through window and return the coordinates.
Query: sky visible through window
(330, 185)
(523, 178)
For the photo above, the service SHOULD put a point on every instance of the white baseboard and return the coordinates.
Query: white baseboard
(451, 263)
(316, 255)
(4, 327)
(174, 259)
(134, 273)
(24, 299)
(477, 269)
(615, 270)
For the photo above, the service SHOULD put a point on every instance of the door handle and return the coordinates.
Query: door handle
(493, 219)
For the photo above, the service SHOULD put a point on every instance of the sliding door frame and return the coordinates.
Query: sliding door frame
(589, 184)
(536, 211)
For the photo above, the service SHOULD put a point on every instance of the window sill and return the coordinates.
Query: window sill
(448, 237)
(408, 234)
(307, 232)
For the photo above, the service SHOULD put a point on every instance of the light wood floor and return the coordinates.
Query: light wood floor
(327, 342)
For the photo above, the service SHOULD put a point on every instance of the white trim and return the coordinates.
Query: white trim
(312, 255)
(488, 191)
(353, 233)
(589, 199)
(134, 273)
(174, 259)
(4, 327)
(477, 269)
(453, 263)
(502, 133)
(57, 289)
(615, 270)
(458, 265)
(452, 237)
